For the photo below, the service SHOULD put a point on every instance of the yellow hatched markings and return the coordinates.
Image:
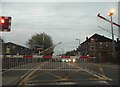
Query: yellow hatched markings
(101, 77)
(103, 74)
(37, 75)
(105, 78)
(102, 71)
(59, 78)
(26, 79)
(56, 76)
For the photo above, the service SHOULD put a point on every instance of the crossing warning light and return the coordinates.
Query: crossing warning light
(5, 23)
(2, 21)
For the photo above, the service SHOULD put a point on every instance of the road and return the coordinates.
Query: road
(59, 73)
(108, 70)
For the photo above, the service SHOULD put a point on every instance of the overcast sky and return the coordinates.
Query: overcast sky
(63, 21)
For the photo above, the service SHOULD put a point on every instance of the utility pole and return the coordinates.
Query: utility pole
(112, 23)
(113, 42)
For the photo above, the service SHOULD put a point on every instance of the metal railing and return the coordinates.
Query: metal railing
(18, 63)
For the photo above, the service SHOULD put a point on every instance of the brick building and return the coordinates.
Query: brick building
(15, 49)
(118, 51)
(98, 46)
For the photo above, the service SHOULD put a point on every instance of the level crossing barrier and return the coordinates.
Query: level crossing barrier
(28, 62)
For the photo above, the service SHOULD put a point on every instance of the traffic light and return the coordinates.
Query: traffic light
(2, 21)
(5, 23)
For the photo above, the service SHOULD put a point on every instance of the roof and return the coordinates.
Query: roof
(98, 38)
(16, 44)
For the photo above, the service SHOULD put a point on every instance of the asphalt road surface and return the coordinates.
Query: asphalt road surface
(59, 73)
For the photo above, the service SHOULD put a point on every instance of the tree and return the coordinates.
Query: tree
(41, 42)
(71, 53)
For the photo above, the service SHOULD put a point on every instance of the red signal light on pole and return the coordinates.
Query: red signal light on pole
(2, 21)
(5, 23)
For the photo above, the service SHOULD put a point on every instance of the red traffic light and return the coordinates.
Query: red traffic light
(2, 21)
(5, 23)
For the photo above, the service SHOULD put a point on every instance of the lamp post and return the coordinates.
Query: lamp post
(43, 42)
(62, 51)
(79, 41)
(113, 43)
(78, 46)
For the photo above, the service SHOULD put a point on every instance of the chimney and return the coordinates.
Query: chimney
(117, 39)
(86, 38)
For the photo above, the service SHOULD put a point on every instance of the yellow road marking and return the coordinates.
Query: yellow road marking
(102, 77)
(26, 79)
(114, 66)
(103, 74)
(106, 78)
(37, 75)
(63, 79)
(102, 71)
(59, 78)
(54, 75)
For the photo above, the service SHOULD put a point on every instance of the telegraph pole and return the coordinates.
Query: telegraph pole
(112, 23)
(113, 42)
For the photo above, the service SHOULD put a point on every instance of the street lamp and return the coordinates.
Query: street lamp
(43, 42)
(78, 46)
(113, 43)
(79, 41)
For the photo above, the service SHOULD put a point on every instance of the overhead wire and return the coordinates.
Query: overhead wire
(54, 28)
(107, 31)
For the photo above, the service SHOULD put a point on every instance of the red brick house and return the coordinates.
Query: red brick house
(98, 46)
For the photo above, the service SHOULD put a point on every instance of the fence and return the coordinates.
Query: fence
(29, 62)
